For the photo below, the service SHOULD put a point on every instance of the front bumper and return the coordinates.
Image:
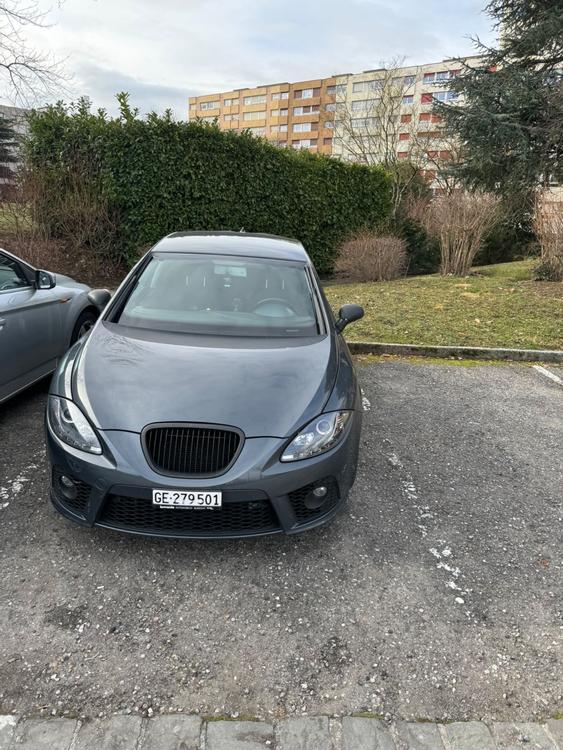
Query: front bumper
(261, 495)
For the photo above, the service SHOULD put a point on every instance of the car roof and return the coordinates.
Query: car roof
(233, 243)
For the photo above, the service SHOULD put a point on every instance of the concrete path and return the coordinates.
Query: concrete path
(185, 732)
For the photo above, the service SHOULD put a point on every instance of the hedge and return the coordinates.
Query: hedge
(122, 183)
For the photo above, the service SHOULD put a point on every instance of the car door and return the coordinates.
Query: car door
(30, 327)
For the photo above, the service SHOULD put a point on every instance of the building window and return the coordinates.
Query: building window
(409, 99)
(331, 89)
(364, 123)
(279, 129)
(307, 93)
(404, 81)
(230, 118)
(429, 117)
(280, 95)
(306, 110)
(209, 105)
(443, 96)
(372, 85)
(402, 154)
(341, 89)
(331, 107)
(257, 131)
(230, 102)
(302, 127)
(254, 115)
(361, 104)
(278, 113)
(209, 118)
(304, 143)
(404, 136)
(327, 141)
(426, 99)
(440, 76)
(406, 118)
(257, 99)
(329, 124)
(260, 115)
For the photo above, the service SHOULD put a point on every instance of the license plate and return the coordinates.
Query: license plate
(186, 499)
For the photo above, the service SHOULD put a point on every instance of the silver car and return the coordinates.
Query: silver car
(41, 315)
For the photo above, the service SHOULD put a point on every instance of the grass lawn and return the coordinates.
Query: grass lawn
(496, 306)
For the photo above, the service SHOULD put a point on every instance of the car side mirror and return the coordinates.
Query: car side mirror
(44, 280)
(348, 314)
(99, 298)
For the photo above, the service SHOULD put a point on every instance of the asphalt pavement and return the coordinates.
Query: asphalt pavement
(436, 594)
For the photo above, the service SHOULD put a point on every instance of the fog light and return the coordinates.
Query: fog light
(316, 498)
(68, 487)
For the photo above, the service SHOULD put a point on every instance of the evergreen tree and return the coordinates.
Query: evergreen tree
(511, 120)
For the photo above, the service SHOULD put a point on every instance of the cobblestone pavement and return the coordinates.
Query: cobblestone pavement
(184, 732)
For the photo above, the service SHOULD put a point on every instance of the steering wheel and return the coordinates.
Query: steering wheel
(275, 300)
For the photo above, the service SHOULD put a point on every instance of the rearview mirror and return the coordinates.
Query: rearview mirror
(44, 280)
(99, 298)
(348, 314)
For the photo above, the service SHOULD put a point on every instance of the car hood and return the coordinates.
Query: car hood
(125, 379)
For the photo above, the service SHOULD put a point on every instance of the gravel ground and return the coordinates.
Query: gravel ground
(436, 594)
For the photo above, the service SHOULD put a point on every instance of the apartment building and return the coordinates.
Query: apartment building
(365, 117)
(298, 115)
(17, 117)
(390, 110)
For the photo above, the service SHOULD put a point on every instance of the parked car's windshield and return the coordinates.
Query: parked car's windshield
(222, 295)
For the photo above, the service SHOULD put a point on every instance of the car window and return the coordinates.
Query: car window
(11, 274)
(222, 295)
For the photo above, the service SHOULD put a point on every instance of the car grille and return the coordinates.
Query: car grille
(79, 504)
(191, 450)
(239, 517)
(297, 500)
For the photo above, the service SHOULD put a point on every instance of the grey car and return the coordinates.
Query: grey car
(41, 315)
(214, 397)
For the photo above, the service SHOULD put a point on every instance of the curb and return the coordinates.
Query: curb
(193, 732)
(465, 352)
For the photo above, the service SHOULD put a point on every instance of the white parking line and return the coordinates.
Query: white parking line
(548, 374)
(366, 404)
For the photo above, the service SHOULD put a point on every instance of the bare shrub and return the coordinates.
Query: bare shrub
(57, 256)
(460, 220)
(416, 207)
(27, 235)
(548, 226)
(370, 257)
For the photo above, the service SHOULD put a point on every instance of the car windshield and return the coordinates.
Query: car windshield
(222, 295)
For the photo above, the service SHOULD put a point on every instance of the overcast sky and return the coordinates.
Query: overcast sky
(163, 51)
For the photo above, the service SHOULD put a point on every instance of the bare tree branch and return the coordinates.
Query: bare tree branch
(27, 75)
(372, 130)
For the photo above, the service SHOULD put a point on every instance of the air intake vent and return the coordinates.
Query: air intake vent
(191, 450)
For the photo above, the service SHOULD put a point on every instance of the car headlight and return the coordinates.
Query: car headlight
(319, 436)
(71, 426)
